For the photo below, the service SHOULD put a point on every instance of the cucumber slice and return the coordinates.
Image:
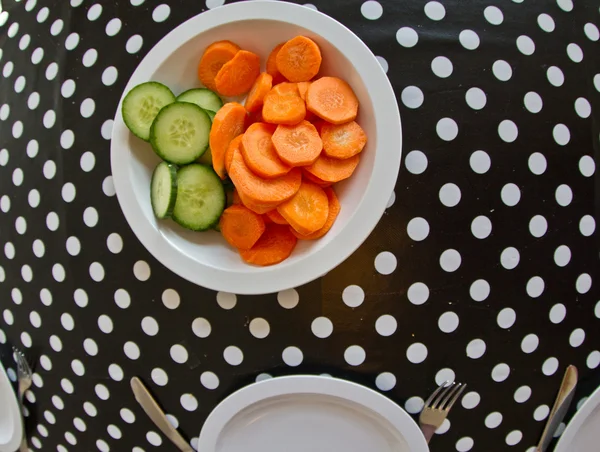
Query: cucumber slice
(142, 104)
(180, 133)
(163, 189)
(211, 115)
(200, 197)
(204, 98)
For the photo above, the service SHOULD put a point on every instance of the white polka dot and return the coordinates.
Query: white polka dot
(210, 4)
(87, 108)
(480, 162)
(535, 287)
(36, 57)
(96, 271)
(78, 367)
(541, 413)
(510, 194)
(565, 5)
(443, 428)
(73, 246)
(4, 112)
(469, 39)
(476, 349)
(150, 326)
(353, 296)
(355, 355)
(115, 372)
(141, 270)
(13, 30)
(537, 163)
(5, 203)
(90, 347)
(561, 134)
(159, 376)
(407, 37)
(583, 283)
(114, 431)
(109, 76)
(546, 22)
(416, 162)
(371, 10)
(122, 298)
(68, 192)
(49, 169)
(493, 15)
(79, 424)
(80, 297)
(201, 327)
(500, 372)
(259, 328)
(591, 31)
(587, 166)
(20, 84)
(30, 5)
(475, 98)
(288, 299)
(8, 69)
(416, 353)
(17, 129)
(67, 138)
(131, 349)
(383, 63)
(90, 409)
(435, 10)
(562, 255)
(412, 97)
(321, 327)
(479, 290)
(508, 131)
(533, 102)
(522, 394)
(510, 258)
(67, 386)
(418, 293)
(67, 321)
(385, 263)
(448, 322)
(441, 66)
(72, 41)
(58, 272)
(418, 229)
(470, 400)
(445, 375)
(593, 359)
(134, 44)
(577, 337)
(587, 225)
(564, 195)
(493, 420)
(464, 444)
(233, 355)
(550, 366)
(506, 318)
(450, 195)
(597, 310)
(161, 13)
(583, 107)
(102, 446)
(113, 27)
(525, 45)
(24, 41)
(450, 260)
(447, 129)
(558, 312)
(94, 12)
(188, 402)
(35, 319)
(179, 354)
(21, 225)
(90, 57)
(386, 325)
(292, 356)
(538, 226)
(209, 380)
(414, 405)
(55, 343)
(105, 324)
(481, 227)
(555, 76)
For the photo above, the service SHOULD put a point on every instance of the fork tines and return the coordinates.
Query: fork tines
(445, 395)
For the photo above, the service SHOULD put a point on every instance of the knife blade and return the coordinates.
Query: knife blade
(156, 414)
(560, 408)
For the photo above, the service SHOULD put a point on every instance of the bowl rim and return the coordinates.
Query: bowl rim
(376, 194)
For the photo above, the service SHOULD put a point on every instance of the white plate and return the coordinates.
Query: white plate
(309, 413)
(583, 433)
(11, 425)
(205, 258)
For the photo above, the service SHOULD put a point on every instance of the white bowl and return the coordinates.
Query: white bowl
(205, 258)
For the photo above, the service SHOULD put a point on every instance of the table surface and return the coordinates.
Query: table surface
(484, 268)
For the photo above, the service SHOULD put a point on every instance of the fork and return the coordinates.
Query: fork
(25, 378)
(438, 406)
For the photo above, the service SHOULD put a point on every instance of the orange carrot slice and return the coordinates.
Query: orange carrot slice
(307, 210)
(302, 89)
(213, 59)
(261, 87)
(236, 198)
(260, 154)
(237, 76)
(235, 144)
(272, 65)
(275, 245)
(283, 105)
(276, 217)
(332, 99)
(255, 207)
(263, 193)
(241, 227)
(334, 210)
(298, 145)
(314, 179)
(227, 124)
(344, 140)
(299, 59)
(333, 170)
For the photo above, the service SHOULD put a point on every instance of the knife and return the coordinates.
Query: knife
(561, 405)
(156, 414)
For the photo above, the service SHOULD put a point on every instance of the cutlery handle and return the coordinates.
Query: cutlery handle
(428, 431)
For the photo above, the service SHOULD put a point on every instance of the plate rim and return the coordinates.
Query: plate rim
(366, 397)
(577, 421)
(14, 411)
(367, 213)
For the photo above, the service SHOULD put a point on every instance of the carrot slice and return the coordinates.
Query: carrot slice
(299, 59)
(332, 99)
(283, 105)
(272, 65)
(213, 59)
(261, 87)
(227, 124)
(236, 198)
(235, 144)
(302, 89)
(333, 170)
(307, 210)
(241, 227)
(260, 154)
(255, 207)
(314, 179)
(334, 210)
(266, 218)
(275, 245)
(298, 145)
(237, 76)
(263, 193)
(344, 140)
(276, 217)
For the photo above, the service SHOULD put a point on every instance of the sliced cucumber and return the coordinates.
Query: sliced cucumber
(180, 133)
(204, 98)
(211, 114)
(142, 104)
(200, 197)
(163, 189)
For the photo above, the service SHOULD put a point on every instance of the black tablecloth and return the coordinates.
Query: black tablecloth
(484, 268)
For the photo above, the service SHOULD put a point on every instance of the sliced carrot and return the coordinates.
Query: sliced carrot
(263, 193)
(227, 124)
(283, 105)
(260, 154)
(307, 210)
(235, 144)
(236, 198)
(275, 245)
(332, 99)
(334, 210)
(333, 170)
(276, 217)
(298, 145)
(255, 117)
(262, 86)
(302, 89)
(237, 76)
(241, 227)
(272, 65)
(299, 59)
(314, 179)
(213, 59)
(344, 140)
(266, 218)
(255, 207)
